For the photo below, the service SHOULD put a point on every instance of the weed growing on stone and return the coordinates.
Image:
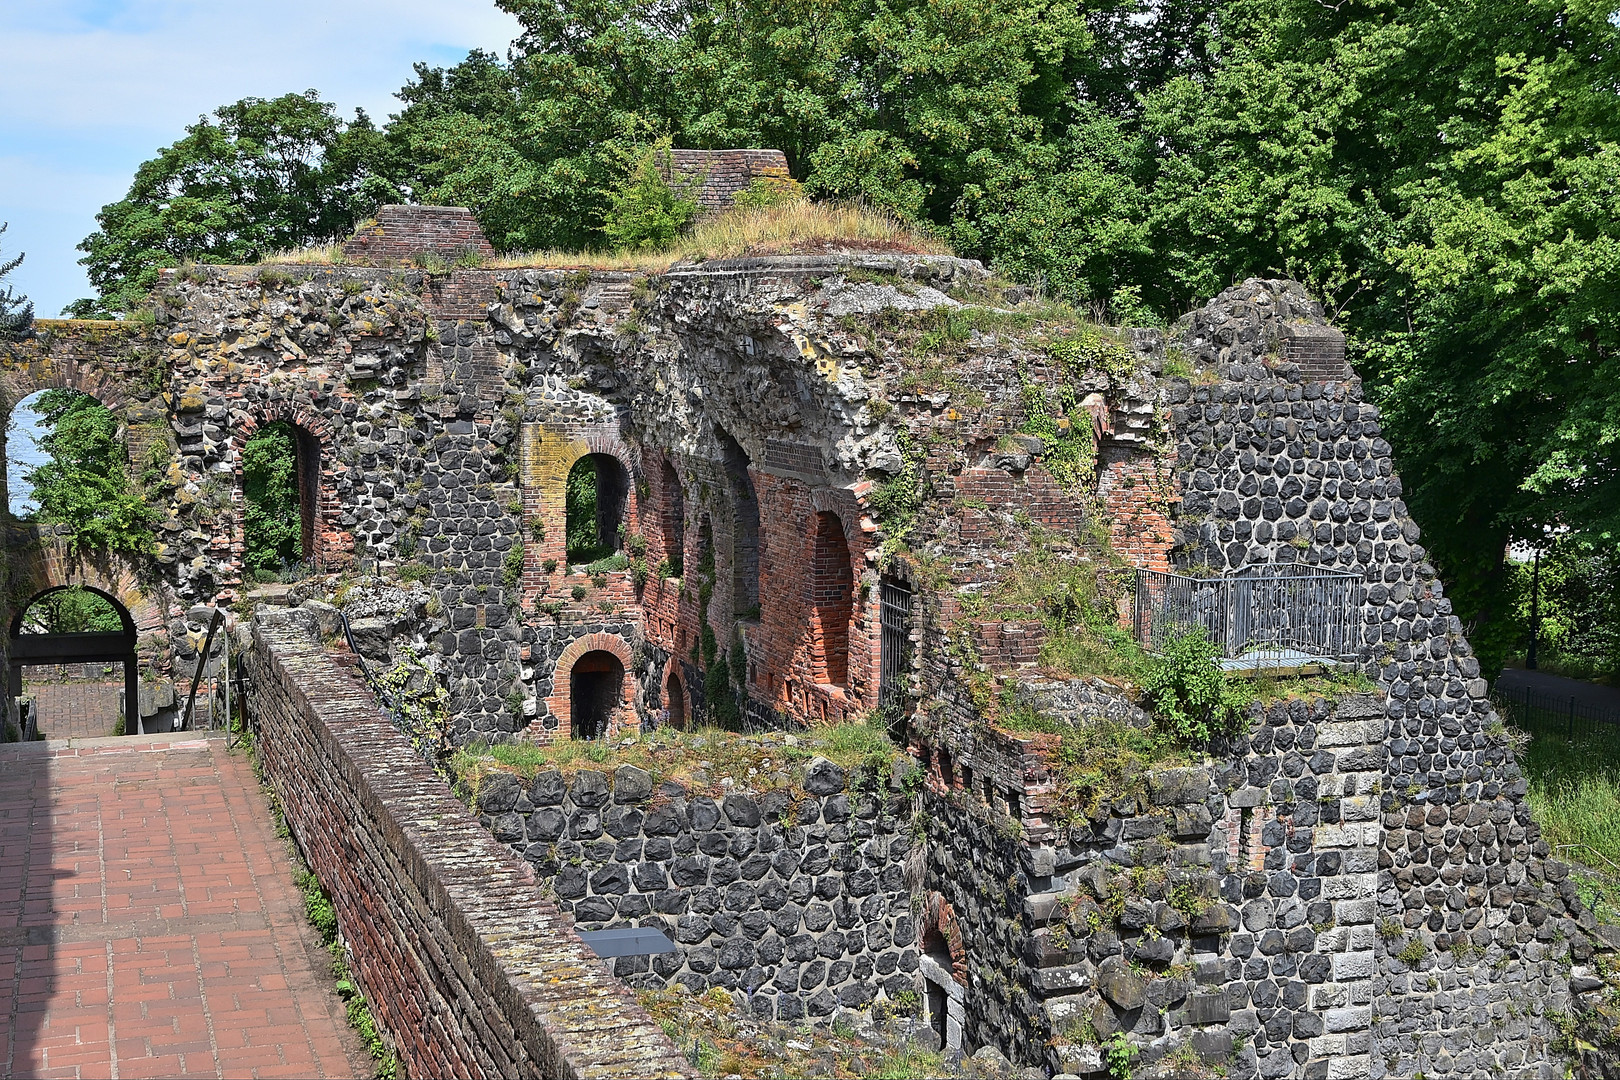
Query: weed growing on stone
(702, 760)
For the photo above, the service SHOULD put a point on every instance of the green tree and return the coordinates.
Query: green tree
(272, 522)
(258, 177)
(84, 483)
(16, 313)
(73, 610)
(647, 211)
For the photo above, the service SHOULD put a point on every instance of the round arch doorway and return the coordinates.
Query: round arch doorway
(33, 643)
(595, 693)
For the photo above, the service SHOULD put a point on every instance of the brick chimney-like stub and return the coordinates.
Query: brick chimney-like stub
(402, 233)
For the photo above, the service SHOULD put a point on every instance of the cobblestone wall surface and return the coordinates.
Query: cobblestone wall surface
(797, 897)
(468, 970)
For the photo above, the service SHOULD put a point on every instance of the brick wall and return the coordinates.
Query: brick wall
(403, 231)
(726, 172)
(469, 970)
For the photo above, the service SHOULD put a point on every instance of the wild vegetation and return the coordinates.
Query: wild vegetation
(16, 313)
(272, 520)
(706, 759)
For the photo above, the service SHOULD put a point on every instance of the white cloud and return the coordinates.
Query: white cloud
(93, 87)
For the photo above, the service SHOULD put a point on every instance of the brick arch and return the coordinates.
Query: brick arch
(39, 563)
(560, 702)
(106, 386)
(547, 455)
(326, 543)
(938, 917)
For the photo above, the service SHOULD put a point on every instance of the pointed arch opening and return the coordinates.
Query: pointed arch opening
(744, 531)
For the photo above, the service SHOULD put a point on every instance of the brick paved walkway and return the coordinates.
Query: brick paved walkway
(148, 921)
(76, 708)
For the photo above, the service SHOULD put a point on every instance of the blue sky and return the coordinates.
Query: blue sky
(91, 88)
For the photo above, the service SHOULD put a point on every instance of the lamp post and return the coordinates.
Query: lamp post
(1535, 611)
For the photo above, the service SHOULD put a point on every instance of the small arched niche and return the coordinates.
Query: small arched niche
(595, 692)
(596, 501)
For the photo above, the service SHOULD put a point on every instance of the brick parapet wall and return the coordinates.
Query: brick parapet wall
(468, 969)
(724, 173)
(401, 232)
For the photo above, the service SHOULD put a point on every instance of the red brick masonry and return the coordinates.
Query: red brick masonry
(468, 968)
(148, 921)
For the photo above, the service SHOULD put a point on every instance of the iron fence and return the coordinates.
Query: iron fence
(1271, 616)
(1547, 712)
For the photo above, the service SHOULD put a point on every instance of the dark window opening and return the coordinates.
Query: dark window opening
(936, 1008)
(673, 519)
(1015, 808)
(595, 502)
(594, 689)
(894, 646)
(677, 702)
(946, 772)
(967, 779)
(281, 483)
(745, 529)
(832, 588)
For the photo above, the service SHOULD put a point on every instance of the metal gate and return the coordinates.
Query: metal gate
(895, 655)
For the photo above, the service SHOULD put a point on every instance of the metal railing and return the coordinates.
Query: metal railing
(1547, 712)
(1267, 616)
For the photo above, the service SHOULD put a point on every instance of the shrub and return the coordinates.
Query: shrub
(1187, 690)
(647, 213)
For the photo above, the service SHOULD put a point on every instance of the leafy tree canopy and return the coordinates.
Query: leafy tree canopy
(259, 176)
(84, 484)
(73, 610)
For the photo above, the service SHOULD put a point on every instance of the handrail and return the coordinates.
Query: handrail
(390, 703)
(214, 624)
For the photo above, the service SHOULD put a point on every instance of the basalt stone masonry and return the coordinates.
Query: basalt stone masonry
(815, 479)
(796, 897)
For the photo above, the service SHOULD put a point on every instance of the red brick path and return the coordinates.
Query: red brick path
(76, 708)
(148, 921)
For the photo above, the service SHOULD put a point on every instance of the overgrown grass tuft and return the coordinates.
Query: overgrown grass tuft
(1575, 796)
(702, 760)
(796, 227)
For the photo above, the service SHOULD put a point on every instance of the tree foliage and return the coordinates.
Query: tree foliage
(273, 519)
(85, 484)
(74, 610)
(1444, 176)
(257, 177)
(16, 313)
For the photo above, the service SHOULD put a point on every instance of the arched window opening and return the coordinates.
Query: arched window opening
(595, 686)
(936, 989)
(745, 529)
(281, 483)
(72, 610)
(832, 598)
(672, 516)
(67, 464)
(598, 492)
(677, 702)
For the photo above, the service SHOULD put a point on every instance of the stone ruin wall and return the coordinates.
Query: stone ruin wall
(448, 407)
